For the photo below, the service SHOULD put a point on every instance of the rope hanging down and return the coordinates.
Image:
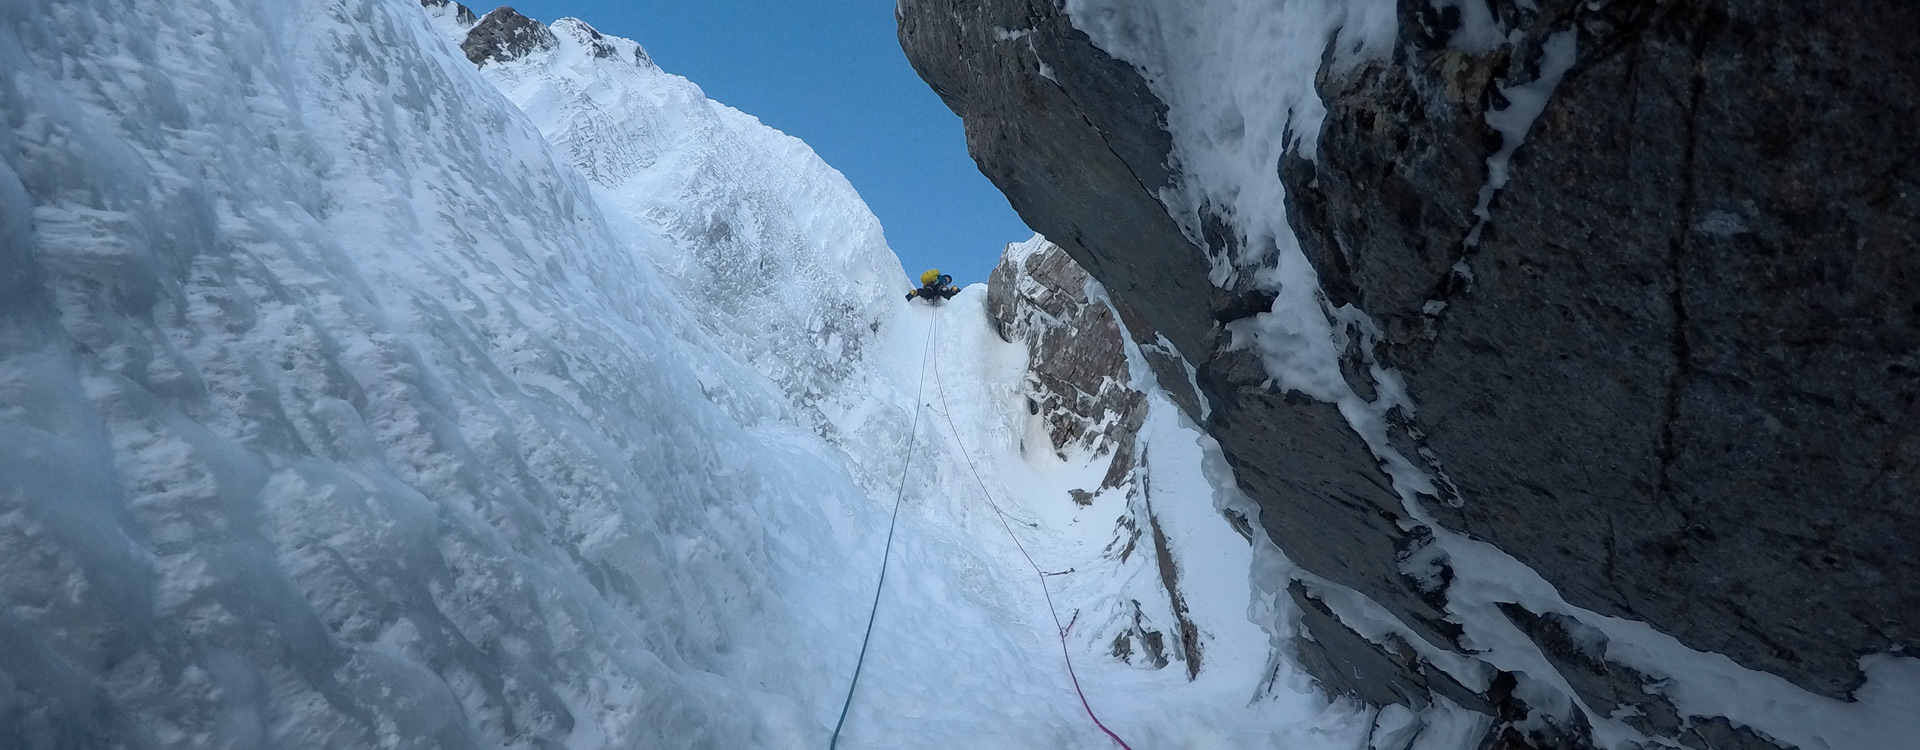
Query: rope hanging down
(905, 471)
(1061, 630)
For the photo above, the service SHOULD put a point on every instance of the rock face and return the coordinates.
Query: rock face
(1077, 379)
(1673, 370)
(1030, 135)
(1681, 380)
(504, 35)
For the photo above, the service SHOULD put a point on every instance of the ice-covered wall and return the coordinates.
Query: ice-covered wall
(334, 411)
(787, 266)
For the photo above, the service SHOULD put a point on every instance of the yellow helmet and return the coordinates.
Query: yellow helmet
(932, 275)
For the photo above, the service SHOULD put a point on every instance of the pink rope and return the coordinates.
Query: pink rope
(1061, 630)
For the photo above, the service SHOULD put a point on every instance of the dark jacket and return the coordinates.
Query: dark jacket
(935, 290)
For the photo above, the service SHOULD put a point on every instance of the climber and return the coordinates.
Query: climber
(934, 286)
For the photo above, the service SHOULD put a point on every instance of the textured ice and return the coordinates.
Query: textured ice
(788, 269)
(343, 412)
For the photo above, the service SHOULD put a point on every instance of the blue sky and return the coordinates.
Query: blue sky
(830, 72)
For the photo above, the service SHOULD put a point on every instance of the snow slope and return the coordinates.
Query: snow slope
(340, 406)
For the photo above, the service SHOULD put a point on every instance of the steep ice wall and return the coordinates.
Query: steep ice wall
(334, 411)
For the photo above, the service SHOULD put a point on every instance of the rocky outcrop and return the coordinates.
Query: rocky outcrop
(1347, 663)
(504, 35)
(1077, 376)
(1079, 387)
(1672, 368)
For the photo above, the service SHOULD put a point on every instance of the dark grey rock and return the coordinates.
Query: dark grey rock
(503, 35)
(1325, 503)
(1174, 374)
(1140, 644)
(1069, 149)
(1080, 153)
(1719, 734)
(1516, 728)
(1093, 123)
(1578, 653)
(1346, 663)
(1674, 384)
(1188, 633)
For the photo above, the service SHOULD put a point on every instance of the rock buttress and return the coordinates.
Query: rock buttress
(1678, 378)
(1677, 374)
